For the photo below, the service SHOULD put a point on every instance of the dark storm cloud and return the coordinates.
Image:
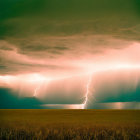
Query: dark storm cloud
(46, 29)
(10, 101)
(28, 19)
(116, 18)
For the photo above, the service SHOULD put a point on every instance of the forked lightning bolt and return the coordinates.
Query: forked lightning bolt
(36, 91)
(87, 91)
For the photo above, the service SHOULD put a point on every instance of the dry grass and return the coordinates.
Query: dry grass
(70, 124)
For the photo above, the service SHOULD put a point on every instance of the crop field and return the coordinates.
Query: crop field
(43, 124)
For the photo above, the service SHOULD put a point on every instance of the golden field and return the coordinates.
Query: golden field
(63, 124)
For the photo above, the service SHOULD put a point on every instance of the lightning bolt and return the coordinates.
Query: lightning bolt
(36, 91)
(87, 91)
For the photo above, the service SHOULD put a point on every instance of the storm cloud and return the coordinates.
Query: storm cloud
(65, 38)
(53, 30)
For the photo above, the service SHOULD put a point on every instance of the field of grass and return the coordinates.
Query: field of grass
(69, 124)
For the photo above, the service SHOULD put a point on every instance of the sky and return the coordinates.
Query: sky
(70, 54)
